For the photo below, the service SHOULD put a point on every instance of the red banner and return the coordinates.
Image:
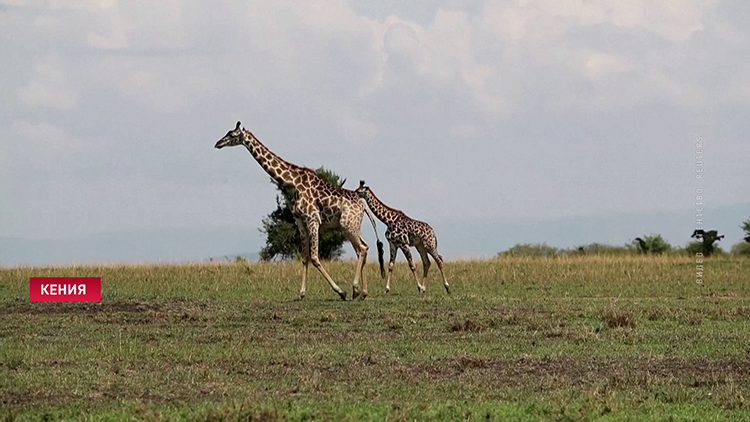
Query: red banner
(65, 289)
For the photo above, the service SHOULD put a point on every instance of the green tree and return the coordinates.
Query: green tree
(746, 228)
(708, 240)
(282, 236)
(656, 244)
(653, 244)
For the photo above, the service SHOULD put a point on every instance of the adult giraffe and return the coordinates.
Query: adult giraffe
(316, 204)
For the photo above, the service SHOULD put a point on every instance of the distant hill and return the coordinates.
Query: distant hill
(488, 237)
(166, 245)
(457, 239)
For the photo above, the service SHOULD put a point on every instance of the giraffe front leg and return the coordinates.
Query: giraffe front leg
(391, 263)
(312, 228)
(405, 249)
(305, 235)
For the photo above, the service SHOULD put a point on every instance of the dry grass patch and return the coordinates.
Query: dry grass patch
(616, 316)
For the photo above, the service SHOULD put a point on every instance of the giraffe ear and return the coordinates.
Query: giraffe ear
(238, 125)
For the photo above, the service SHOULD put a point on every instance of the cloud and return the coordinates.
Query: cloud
(524, 109)
(163, 85)
(14, 2)
(487, 55)
(83, 5)
(38, 151)
(522, 20)
(112, 38)
(464, 131)
(45, 135)
(49, 86)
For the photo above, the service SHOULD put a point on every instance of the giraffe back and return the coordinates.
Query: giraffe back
(406, 229)
(335, 206)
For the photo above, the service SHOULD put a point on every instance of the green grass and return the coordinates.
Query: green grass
(575, 338)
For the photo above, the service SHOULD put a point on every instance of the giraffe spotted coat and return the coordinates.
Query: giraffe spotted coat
(403, 232)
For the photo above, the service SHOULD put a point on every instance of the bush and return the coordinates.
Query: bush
(604, 249)
(693, 248)
(533, 249)
(696, 247)
(741, 249)
(656, 244)
(547, 251)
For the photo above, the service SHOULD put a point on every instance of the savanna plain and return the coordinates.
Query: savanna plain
(569, 338)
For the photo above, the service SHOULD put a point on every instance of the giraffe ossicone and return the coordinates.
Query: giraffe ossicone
(317, 204)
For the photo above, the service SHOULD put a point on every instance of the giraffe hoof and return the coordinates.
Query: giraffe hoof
(300, 297)
(448, 289)
(342, 295)
(364, 295)
(355, 293)
(387, 290)
(421, 290)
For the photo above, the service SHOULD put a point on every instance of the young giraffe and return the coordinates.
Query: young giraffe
(402, 233)
(316, 205)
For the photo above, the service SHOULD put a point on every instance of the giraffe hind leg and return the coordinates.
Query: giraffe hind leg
(439, 261)
(425, 263)
(391, 263)
(365, 248)
(429, 242)
(361, 248)
(305, 257)
(312, 227)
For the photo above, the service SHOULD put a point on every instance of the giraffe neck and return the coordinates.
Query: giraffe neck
(280, 170)
(384, 213)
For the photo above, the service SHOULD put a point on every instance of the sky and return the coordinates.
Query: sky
(469, 115)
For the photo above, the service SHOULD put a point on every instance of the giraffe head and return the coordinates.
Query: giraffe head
(362, 190)
(232, 138)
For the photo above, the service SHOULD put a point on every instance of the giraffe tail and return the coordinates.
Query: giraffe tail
(380, 244)
(380, 259)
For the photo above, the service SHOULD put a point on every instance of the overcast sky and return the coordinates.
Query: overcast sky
(509, 111)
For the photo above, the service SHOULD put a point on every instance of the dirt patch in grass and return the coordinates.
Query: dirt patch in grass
(19, 399)
(51, 308)
(466, 325)
(9, 399)
(481, 375)
(541, 374)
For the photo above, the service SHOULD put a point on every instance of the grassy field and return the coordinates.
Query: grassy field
(626, 338)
